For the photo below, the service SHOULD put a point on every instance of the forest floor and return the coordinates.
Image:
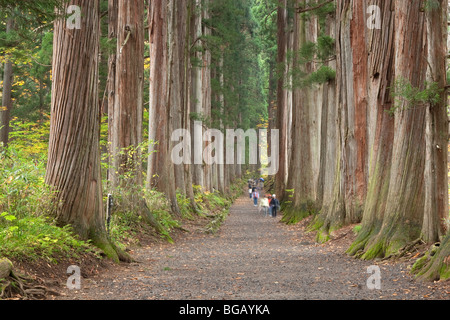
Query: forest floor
(252, 257)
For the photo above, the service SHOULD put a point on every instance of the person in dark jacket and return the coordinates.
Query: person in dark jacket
(274, 205)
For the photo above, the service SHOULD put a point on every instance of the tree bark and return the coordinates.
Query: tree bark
(5, 108)
(408, 204)
(6, 267)
(197, 89)
(436, 135)
(73, 168)
(381, 123)
(112, 61)
(282, 25)
(127, 122)
(301, 172)
(436, 267)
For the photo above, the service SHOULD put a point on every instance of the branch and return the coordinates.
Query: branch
(302, 10)
(127, 28)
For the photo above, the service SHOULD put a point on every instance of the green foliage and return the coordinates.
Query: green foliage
(357, 229)
(29, 139)
(37, 237)
(236, 54)
(26, 231)
(406, 96)
(323, 75)
(318, 53)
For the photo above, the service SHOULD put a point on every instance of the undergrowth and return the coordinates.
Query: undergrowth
(28, 230)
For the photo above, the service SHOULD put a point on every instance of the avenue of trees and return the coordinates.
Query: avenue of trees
(356, 88)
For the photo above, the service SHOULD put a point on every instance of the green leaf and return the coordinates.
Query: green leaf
(10, 218)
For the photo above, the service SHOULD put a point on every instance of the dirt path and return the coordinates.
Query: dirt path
(252, 257)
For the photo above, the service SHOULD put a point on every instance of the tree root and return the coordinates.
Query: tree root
(13, 285)
(403, 251)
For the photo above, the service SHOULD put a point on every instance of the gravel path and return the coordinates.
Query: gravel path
(251, 258)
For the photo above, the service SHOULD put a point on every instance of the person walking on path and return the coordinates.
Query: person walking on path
(255, 197)
(265, 205)
(274, 206)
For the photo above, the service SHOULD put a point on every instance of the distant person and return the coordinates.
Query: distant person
(250, 191)
(255, 197)
(265, 205)
(274, 206)
(269, 197)
(260, 184)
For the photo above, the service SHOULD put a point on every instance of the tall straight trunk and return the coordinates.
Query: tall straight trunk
(126, 124)
(187, 79)
(282, 25)
(127, 121)
(301, 176)
(436, 267)
(197, 89)
(73, 168)
(112, 60)
(221, 167)
(160, 172)
(328, 151)
(206, 90)
(158, 147)
(380, 123)
(405, 198)
(172, 103)
(436, 163)
(5, 108)
(346, 202)
(411, 206)
(176, 84)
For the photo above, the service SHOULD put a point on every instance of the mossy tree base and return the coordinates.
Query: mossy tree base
(435, 265)
(324, 227)
(383, 241)
(110, 249)
(294, 215)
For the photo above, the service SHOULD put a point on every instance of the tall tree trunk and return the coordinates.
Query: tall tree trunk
(160, 172)
(436, 267)
(6, 106)
(206, 91)
(405, 199)
(73, 167)
(436, 135)
(408, 197)
(187, 72)
(328, 152)
(282, 23)
(126, 125)
(127, 121)
(172, 102)
(176, 92)
(112, 61)
(381, 123)
(197, 90)
(301, 176)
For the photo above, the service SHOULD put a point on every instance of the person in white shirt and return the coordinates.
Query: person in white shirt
(264, 206)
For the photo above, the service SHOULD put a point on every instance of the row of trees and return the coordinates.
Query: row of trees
(369, 140)
(357, 90)
(144, 68)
